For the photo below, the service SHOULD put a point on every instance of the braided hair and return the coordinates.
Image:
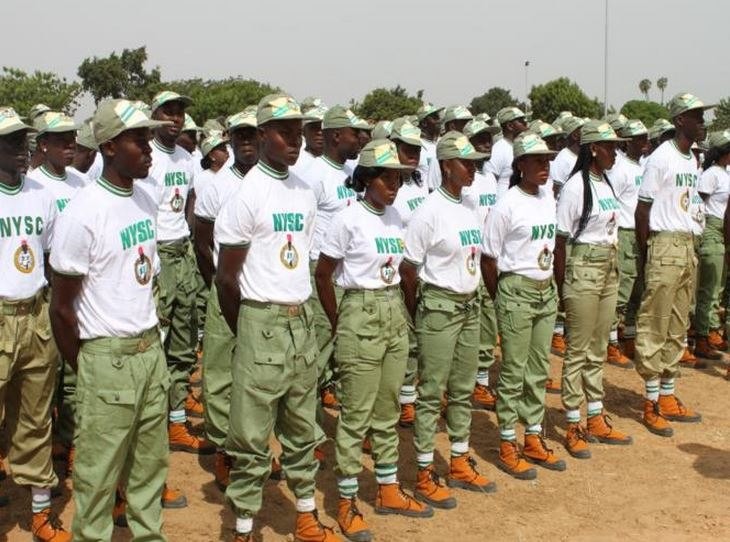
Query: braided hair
(583, 165)
(713, 155)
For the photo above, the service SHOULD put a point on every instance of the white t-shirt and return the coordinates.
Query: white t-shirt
(520, 233)
(197, 167)
(27, 216)
(562, 166)
(625, 177)
(170, 179)
(202, 180)
(370, 244)
(697, 211)
(482, 193)
(107, 235)
(715, 182)
(428, 157)
(410, 197)
(444, 238)
(669, 184)
(96, 168)
(602, 226)
(303, 163)
(500, 164)
(273, 215)
(327, 180)
(83, 176)
(63, 188)
(433, 176)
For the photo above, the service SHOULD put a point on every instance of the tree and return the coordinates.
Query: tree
(722, 115)
(644, 87)
(661, 84)
(550, 98)
(646, 111)
(493, 100)
(119, 76)
(21, 91)
(388, 104)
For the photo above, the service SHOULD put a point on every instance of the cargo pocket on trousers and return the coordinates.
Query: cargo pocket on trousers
(115, 408)
(511, 317)
(436, 314)
(266, 372)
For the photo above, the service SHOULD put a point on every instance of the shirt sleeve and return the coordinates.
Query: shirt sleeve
(50, 224)
(206, 203)
(235, 224)
(708, 182)
(419, 237)
(495, 230)
(651, 181)
(71, 244)
(568, 212)
(337, 238)
(434, 175)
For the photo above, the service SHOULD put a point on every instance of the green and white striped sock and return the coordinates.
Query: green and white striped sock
(666, 386)
(508, 433)
(348, 487)
(651, 389)
(386, 474)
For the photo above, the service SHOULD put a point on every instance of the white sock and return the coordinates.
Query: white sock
(651, 389)
(305, 505)
(40, 498)
(483, 378)
(244, 525)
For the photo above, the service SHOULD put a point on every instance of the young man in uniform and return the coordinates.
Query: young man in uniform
(28, 358)
(265, 233)
(430, 125)
(663, 215)
(36, 155)
(85, 153)
(455, 118)
(512, 121)
(314, 110)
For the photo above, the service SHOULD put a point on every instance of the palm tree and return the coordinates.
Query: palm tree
(644, 86)
(661, 84)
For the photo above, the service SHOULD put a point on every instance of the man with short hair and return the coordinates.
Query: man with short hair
(430, 125)
(314, 110)
(512, 121)
(86, 151)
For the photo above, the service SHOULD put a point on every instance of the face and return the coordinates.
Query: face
(364, 137)
(188, 140)
(219, 155)
(83, 158)
(692, 125)
(409, 155)
(460, 172)
(314, 138)
(14, 153)
(605, 154)
(457, 125)
(130, 153)
(517, 126)
(430, 124)
(535, 168)
(348, 141)
(482, 142)
(172, 112)
(245, 145)
(383, 189)
(281, 141)
(638, 146)
(553, 142)
(58, 148)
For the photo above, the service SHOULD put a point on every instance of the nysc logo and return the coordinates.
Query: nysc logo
(24, 258)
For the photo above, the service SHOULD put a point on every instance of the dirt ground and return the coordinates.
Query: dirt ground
(657, 489)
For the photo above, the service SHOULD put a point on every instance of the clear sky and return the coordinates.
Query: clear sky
(341, 49)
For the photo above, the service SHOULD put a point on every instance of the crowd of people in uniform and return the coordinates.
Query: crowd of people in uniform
(316, 261)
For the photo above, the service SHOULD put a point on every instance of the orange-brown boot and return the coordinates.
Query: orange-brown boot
(182, 441)
(483, 397)
(173, 498)
(615, 357)
(310, 529)
(551, 386)
(654, 421)
(407, 415)
(328, 397)
(46, 527)
(704, 350)
(222, 469)
(689, 360)
(430, 490)
(351, 521)
(717, 341)
(601, 430)
(276, 471)
(193, 406)
(464, 475)
(537, 452)
(576, 441)
(391, 499)
(511, 462)
(671, 408)
(558, 345)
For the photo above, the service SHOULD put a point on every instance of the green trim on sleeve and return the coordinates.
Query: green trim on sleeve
(562, 233)
(69, 275)
(205, 219)
(234, 245)
(417, 264)
(646, 200)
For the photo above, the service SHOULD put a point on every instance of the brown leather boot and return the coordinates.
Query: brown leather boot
(600, 429)
(46, 527)
(552, 386)
(464, 475)
(391, 499)
(182, 441)
(351, 521)
(576, 441)
(615, 357)
(310, 529)
(483, 397)
(704, 350)
(193, 406)
(654, 421)
(671, 408)
(511, 462)
(689, 360)
(407, 415)
(222, 469)
(717, 341)
(537, 452)
(328, 397)
(173, 498)
(558, 345)
(429, 489)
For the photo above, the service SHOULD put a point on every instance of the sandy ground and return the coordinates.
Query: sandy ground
(659, 488)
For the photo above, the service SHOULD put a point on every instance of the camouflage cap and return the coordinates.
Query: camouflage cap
(312, 102)
(314, 114)
(660, 126)
(530, 143)
(718, 139)
(633, 128)
(403, 130)
(36, 110)
(456, 112)
(454, 144)
(483, 117)
(167, 96)
(113, 117)
(362, 124)
(543, 129)
(571, 124)
(508, 114)
(210, 143)
(427, 109)
(10, 122)
(339, 116)
(380, 153)
(684, 102)
(54, 122)
(278, 106)
(477, 126)
(596, 131)
(242, 119)
(382, 129)
(85, 136)
(562, 116)
(616, 120)
(189, 125)
(214, 125)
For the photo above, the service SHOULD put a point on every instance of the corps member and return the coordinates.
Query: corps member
(430, 125)
(214, 151)
(455, 117)
(512, 122)
(85, 153)
(314, 110)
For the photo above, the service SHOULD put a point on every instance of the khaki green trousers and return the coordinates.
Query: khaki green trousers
(629, 289)
(202, 293)
(589, 296)
(323, 330)
(371, 352)
(176, 309)
(274, 389)
(121, 437)
(526, 311)
(711, 277)
(447, 327)
(28, 367)
(219, 344)
(487, 330)
(661, 325)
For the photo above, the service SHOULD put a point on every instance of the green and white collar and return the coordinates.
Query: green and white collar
(448, 196)
(117, 191)
(332, 163)
(371, 209)
(12, 190)
(48, 173)
(160, 147)
(271, 172)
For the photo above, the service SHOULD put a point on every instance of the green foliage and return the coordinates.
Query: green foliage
(119, 76)
(722, 115)
(388, 104)
(493, 100)
(549, 99)
(21, 91)
(644, 87)
(646, 111)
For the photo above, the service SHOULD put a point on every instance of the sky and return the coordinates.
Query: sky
(341, 49)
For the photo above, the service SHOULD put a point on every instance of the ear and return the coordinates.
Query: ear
(108, 149)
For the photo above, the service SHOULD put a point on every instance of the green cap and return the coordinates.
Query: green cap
(477, 126)
(718, 139)
(312, 102)
(530, 143)
(189, 124)
(168, 96)
(507, 114)
(456, 112)
(660, 126)
(454, 144)
(382, 129)
(633, 128)
(616, 120)
(242, 119)
(562, 116)
(427, 109)
(36, 110)
(483, 117)
(10, 122)
(595, 131)
(339, 116)
(210, 143)
(403, 130)
(278, 107)
(571, 124)
(85, 136)
(684, 102)
(543, 129)
(54, 122)
(362, 124)
(314, 114)
(213, 125)
(113, 117)
(380, 153)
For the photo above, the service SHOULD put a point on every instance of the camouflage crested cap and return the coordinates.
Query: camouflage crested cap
(684, 102)
(660, 126)
(562, 116)
(36, 110)
(483, 117)
(477, 126)
(633, 128)
(85, 136)
(278, 106)
(403, 130)
(380, 153)
(616, 120)
(454, 144)
(314, 114)
(382, 129)
(214, 125)
(596, 131)
(211, 142)
(167, 96)
(543, 129)
(242, 119)
(113, 117)
(362, 124)
(507, 114)
(427, 109)
(571, 124)
(339, 116)
(54, 122)
(10, 121)
(718, 139)
(312, 102)
(456, 112)
(530, 143)
(189, 124)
